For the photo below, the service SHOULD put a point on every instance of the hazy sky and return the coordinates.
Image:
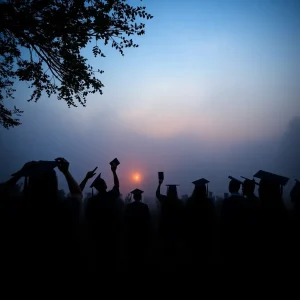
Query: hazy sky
(208, 93)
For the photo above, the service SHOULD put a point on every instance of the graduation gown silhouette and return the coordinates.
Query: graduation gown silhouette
(137, 222)
(233, 227)
(199, 225)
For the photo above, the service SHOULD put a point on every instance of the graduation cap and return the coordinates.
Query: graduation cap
(234, 179)
(37, 168)
(267, 176)
(114, 162)
(249, 180)
(137, 192)
(97, 179)
(160, 175)
(273, 178)
(172, 187)
(201, 182)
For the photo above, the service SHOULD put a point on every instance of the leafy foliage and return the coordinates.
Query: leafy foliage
(53, 32)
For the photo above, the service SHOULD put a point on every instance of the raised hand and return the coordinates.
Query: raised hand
(113, 168)
(160, 181)
(63, 165)
(91, 174)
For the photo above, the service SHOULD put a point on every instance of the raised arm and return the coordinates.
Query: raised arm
(73, 185)
(88, 176)
(7, 186)
(116, 179)
(158, 194)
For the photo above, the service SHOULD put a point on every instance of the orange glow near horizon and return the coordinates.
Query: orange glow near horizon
(136, 177)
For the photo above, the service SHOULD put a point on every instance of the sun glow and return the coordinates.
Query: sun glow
(137, 177)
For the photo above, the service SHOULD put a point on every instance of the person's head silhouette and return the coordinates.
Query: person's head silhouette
(200, 190)
(137, 194)
(270, 188)
(99, 184)
(172, 191)
(248, 187)
(234, 185)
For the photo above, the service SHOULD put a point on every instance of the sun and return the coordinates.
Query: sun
(136, 177)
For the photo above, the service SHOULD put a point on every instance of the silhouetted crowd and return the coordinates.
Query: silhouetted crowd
(43, 232)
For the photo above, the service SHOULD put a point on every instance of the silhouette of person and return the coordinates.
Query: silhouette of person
(233, 223)
(295, 198)
(248, 188)
(199, 223)
(137, 226)
(273, 216)
(252, 218)
(46, 225)
(270, 191)
(295, 221)
(171, 223)
(252, 201)
(103, 214)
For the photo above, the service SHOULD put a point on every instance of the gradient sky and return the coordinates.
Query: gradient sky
(208, 93)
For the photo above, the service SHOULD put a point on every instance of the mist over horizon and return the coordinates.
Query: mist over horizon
(212, 91)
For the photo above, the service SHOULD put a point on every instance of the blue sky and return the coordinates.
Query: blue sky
(210, 79)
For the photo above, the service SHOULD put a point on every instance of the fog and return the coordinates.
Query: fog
(212, 91)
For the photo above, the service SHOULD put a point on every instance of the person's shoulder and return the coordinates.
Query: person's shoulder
(115, 191)
(116, 188)
(136, 205)
(144, 205)
(128, 208)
